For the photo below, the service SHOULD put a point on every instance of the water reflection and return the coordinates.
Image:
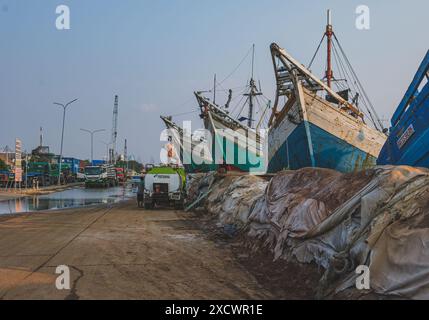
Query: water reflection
(73, 198)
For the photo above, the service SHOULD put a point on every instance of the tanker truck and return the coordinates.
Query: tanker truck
(164, 185)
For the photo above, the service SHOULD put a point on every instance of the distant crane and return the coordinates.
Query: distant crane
(114, 130)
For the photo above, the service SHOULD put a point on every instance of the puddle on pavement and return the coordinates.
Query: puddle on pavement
(72, 198)
(183, 237)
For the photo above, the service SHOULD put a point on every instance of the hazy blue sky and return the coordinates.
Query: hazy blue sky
(154, 54)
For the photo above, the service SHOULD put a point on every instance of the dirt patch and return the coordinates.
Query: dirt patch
(284, 279)
(288, 280)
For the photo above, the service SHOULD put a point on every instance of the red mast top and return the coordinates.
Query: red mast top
(328, 33)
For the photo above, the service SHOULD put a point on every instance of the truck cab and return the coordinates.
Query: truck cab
(100, 176)
(80, 176)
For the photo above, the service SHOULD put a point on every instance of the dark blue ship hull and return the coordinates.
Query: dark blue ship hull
(328, 151)
(408, 142)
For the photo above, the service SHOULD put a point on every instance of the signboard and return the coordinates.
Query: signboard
(405, 136)
(18, 160)
(18, 174)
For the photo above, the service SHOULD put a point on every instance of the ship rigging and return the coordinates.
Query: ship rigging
(345, 80)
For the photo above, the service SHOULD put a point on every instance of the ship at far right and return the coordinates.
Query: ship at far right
(327, 123)
(408, 141)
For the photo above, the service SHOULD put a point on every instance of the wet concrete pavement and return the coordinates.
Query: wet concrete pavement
(70, 198)
(118, 252)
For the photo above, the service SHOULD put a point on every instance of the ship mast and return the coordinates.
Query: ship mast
(328, 34)
(252, 93)
(345, 72)
(214, 89)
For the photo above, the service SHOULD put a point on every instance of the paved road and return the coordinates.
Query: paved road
(118, 253)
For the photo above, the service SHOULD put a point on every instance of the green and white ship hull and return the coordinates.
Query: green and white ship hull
(235, 146)
(192, 152)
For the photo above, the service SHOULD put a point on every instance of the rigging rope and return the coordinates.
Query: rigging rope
(238, 66)
(317, 50)
(236, 106)
(184, 113)
(245, 102)
(361, 87)
(354, 84)
(342, 67)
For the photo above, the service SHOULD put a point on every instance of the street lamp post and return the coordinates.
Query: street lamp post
(64, 106)
(26, 169)
(92, 132)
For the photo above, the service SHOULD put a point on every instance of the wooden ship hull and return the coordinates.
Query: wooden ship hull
(310, 131)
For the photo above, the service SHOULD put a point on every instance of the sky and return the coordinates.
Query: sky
(154, 54)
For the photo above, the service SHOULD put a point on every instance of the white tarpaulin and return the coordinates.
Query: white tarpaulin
(378, 218)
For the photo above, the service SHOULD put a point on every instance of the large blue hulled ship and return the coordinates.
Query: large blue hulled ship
(313, 125)
(408, 142)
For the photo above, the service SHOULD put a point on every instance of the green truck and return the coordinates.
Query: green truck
(164, 185)
(39, 173)
(66, 174)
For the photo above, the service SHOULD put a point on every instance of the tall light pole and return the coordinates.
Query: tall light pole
(26, 169)
(64, 106)
(92, 132)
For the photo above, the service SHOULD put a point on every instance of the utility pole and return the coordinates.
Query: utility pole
(92, 132)
(64, 106)
(26, 169)
(41, 136)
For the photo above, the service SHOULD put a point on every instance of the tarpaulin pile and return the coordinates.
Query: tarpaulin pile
(198, 183)
(378, 218)
(232, 198)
